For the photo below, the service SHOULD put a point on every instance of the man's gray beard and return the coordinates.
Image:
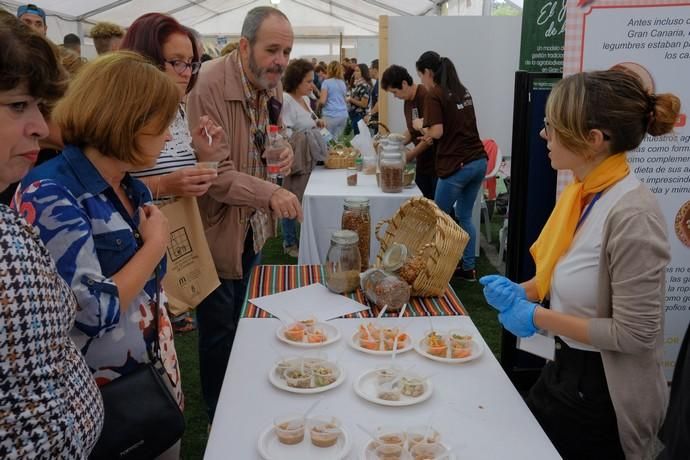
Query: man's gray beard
(259, 73)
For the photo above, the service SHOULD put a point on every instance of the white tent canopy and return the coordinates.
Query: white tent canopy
(308, 17)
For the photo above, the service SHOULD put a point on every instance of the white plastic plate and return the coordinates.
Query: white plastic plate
(365, 387)
(332, 336)
(271, 448)
(354, 343)
(477, 350)
(367, 453)
(282, 384)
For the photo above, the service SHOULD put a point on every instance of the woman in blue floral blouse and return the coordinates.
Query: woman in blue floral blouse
(98, 222)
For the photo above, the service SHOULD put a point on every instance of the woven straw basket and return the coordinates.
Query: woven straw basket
(421, 226)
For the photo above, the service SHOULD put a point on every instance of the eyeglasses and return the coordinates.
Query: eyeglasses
(180, 66)
(547, 131)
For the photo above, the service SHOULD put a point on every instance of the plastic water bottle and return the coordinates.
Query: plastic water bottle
(275, 144)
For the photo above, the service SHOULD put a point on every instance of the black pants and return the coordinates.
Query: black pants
(217, 316)
(426, 184)
(572, 404)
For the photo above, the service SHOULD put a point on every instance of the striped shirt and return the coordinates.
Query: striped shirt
(177, 153)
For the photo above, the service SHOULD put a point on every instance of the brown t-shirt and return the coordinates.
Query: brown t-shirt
(460, 143)
(425, 160)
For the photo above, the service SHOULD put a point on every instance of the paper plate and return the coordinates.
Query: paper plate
(367, 449)
(332, 334)
(477, 350)
(271, 448)
(282, 384)
(354, 343)
(365, 387)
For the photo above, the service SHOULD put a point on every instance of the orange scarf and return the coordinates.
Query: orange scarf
(559, 231)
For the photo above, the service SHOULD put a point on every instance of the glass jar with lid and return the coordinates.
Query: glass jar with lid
(343, 262)
(392, 166)
(356, 217)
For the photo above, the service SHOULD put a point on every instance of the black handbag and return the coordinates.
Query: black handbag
(142, 417)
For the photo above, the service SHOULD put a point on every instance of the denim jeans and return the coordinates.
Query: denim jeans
(460, 189)
(289, 228)
(217, 316)
(336, 126)
(354, 119)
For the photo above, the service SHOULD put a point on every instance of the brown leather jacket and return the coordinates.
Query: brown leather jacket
(234, 196)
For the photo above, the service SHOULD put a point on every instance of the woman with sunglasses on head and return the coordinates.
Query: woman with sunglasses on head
(450, 123)
(98, 222)
(50, 406)
(173, 48)
(601, 260)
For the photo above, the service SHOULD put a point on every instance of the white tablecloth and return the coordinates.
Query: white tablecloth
(474, 405)
(323, 208)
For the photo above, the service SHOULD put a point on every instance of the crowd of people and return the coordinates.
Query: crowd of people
(83, 243)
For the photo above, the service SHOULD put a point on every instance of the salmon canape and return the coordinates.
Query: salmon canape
(295, 332)
(436, 345)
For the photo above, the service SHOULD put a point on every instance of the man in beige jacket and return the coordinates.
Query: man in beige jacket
(242, 93)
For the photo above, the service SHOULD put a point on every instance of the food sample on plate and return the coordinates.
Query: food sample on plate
(386, 374)
(391, 435)
(389, 343)
(416, 435)
(389, 452)
(412, 386)
(295, 332)
(387, 392)
(325, 375)
(460, 345)
(424, 451)
(324, 432)
(289, 429)
(316, 336)
(298, 378)
(284, 364)
(436, 345)
(311, 362)
(369, 330)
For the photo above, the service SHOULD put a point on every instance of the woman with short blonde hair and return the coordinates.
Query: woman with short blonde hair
(97, 221)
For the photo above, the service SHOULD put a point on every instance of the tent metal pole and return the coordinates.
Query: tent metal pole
(386, 7)
(103, 9)
(345, 8)
(336, 16)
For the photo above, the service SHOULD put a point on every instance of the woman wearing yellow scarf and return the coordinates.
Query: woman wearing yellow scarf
(600, 260)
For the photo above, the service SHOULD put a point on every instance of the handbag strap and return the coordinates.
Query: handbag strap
(155, 353)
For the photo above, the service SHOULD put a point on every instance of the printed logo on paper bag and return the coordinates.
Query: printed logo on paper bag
(179, 245)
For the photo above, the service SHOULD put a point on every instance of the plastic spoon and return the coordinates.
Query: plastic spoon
(383, 310)
(312, 407)
(402, 311)
(208, 136)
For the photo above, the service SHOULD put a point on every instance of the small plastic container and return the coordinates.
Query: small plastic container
(425, 451)
(313, 359)
(460, 344)
(289, 428)
(417, 434)
(284, 364)
(412, 385)
(391, 435)
(436, 344)
(325, 374)
(316, 336)
(390, 452)
(207, 165)
(298, 378)
(324, 431)
(386, 374)
(370, 343)
(295, 332)
(388, 392)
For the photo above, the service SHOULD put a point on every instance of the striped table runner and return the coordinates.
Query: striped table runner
(271, 279)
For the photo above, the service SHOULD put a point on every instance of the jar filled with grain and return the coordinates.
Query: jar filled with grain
(343, 262)
(356, 217)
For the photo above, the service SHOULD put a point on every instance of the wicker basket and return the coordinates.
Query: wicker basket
(426, 230)
(335, 161)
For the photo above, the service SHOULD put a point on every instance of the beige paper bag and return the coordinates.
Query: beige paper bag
(191, 274)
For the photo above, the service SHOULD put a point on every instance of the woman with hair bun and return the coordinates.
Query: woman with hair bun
(450, 122)
(601, 261)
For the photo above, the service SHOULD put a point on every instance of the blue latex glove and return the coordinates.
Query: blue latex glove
(519, 318)
(500, 292)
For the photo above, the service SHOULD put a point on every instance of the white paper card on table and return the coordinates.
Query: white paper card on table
(313, 300)
(539, 344)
